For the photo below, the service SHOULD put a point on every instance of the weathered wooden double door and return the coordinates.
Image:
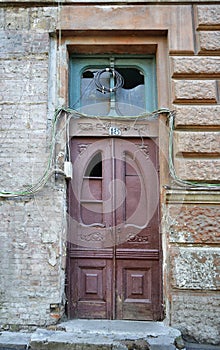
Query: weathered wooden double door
(113, 260)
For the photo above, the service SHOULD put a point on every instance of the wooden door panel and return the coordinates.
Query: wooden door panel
(113, 236)
(136, 288)
(137, 255)
(90, 209)
(91, 212)
(92, 189)
(92, 288)
(90, 244)
(138, 215)
(132, 199)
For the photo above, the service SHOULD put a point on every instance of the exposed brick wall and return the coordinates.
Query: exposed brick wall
(32, 232)
(32, 274)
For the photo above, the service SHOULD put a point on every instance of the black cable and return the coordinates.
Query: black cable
(119, 81)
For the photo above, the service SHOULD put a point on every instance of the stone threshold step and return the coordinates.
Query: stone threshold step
(99, 335)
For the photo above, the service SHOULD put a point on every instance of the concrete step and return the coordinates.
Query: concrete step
(14, 340)
(96, 335)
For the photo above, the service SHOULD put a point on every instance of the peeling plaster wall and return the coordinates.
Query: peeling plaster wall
(32, 232)
(32, 235)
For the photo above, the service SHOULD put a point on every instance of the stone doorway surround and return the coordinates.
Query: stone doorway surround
(80, 31)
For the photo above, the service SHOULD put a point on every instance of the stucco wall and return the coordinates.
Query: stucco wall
(32, 232)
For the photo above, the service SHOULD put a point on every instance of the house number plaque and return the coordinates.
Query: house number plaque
(113, 131)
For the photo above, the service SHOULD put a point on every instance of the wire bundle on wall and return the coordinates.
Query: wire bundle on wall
(178, 180)
(50, 170)
(119, 80)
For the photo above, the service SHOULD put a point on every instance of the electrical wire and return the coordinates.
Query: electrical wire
(48, 172)
(183, 183)
(71, 113)
(171, 118)
(119, 80)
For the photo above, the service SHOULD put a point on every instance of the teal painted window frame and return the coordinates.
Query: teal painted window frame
(79, 63)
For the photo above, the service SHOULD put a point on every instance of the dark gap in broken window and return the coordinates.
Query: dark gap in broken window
(94, 169)
(132, 77)
(88, 74)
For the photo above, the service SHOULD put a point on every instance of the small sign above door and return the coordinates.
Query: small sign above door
(107, 127)
(113, 131)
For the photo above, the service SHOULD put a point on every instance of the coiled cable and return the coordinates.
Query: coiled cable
(118, 79)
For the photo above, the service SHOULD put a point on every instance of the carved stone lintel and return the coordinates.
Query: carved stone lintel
(85, 126)
(99, 126)
(102, 126)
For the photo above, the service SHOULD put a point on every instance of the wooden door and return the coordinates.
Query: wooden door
(114, 267)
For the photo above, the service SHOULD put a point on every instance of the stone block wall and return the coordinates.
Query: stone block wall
(32, 232)
(193, 233)
(192, 221)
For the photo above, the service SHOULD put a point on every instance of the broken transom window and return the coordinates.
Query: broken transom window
(112, 86)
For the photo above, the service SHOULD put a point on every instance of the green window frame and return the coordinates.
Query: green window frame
(145, 64)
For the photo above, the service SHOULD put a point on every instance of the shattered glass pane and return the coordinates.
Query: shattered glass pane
(93, 101)
(127, 100)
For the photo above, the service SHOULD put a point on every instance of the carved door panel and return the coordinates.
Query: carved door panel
(113, 235)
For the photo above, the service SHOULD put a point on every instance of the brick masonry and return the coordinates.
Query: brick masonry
(32, 271)
(32, 232)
